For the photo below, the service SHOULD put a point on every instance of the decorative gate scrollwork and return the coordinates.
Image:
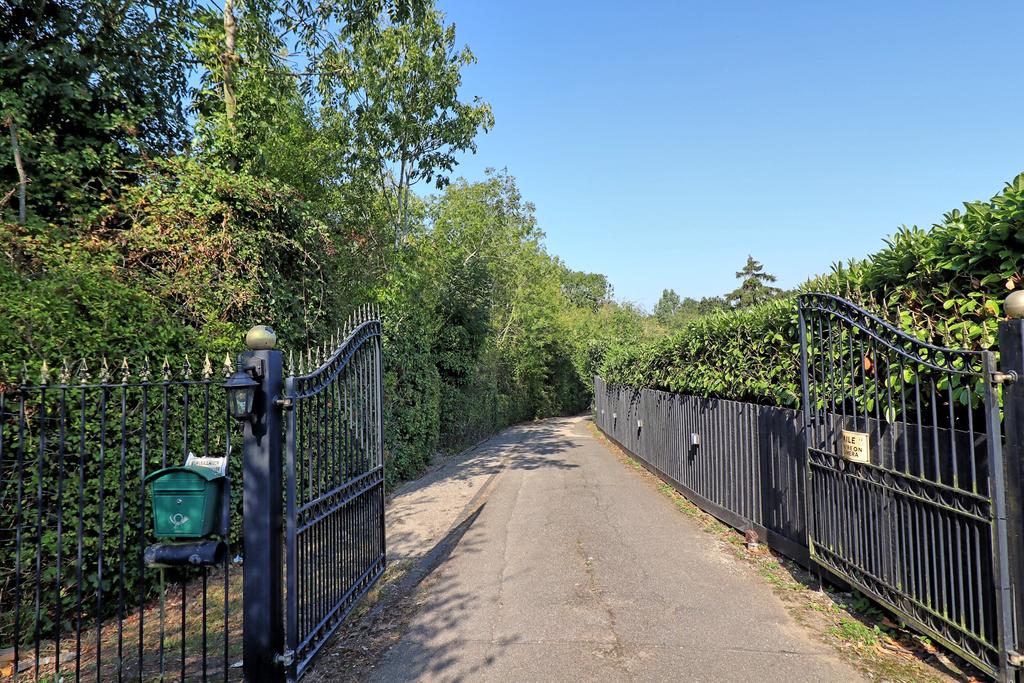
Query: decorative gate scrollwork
(906, 494)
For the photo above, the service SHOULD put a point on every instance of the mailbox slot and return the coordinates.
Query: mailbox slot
(187, 502)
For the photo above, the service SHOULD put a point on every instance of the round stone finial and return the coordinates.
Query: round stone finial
(260, 338)
(1014, 304)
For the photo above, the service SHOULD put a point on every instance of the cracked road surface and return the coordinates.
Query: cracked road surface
(577, 569)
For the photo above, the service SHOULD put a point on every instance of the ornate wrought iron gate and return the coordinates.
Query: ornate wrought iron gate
(334, 487)
(906, 495)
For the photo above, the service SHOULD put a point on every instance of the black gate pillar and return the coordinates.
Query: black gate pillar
(263, 611)
(1011, 366)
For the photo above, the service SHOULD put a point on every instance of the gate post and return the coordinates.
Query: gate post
(1011, 366)
(263, 610)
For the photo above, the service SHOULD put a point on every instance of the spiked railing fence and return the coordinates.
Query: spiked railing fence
(76, 599)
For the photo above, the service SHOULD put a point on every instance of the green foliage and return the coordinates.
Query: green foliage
(401, 84)
(586, 290)
(947, 283)
(67, 298)
(487, 301)
(228, 250)
(755, 287)
(672, 312)
(943, 286)
(83, 119)
(745, 355)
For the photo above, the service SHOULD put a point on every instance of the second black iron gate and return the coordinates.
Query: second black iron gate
(334, 487)
(906, 494)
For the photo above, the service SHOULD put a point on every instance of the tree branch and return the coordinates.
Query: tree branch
(22, 177)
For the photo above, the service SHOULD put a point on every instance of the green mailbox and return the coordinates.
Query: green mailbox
(187, 501)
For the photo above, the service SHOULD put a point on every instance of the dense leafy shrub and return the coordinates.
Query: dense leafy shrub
(745, 355)
(943, 285)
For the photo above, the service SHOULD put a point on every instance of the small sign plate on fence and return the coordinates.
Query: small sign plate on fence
(856, 446)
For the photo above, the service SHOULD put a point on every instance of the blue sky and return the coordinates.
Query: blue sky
(663, 142)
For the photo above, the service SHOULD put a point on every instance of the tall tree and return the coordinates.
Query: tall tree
(360, 99)
(402, 84)
(754, 286)
(668, 307)
(87, 89)
(586, 290)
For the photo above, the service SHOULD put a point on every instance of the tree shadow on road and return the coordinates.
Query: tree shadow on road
(353, 654)
(528, 446)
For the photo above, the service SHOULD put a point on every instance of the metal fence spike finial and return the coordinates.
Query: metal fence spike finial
(145, 373)
(186, 369)
(104, 371)
(65, 372)
(166, 370)
(126, 373)
(83, 372)
(23, 374)
(44, 373)
(291, 363)
(226, 367)
(207, 367)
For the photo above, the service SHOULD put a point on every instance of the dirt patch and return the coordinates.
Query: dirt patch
(382, 619)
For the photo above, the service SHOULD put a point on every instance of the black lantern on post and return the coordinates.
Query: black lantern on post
(241, 388)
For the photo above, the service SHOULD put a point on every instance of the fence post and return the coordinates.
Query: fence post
(1011, 352)
(263, 610)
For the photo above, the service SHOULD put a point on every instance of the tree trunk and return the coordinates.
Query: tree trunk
(229, 58)
(22, 178)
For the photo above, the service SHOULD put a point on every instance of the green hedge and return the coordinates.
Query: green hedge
(944, 285)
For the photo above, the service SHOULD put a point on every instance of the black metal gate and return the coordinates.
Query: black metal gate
(906, 495)
(334, 487)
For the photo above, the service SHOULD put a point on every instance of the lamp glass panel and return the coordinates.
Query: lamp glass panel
(240, 402)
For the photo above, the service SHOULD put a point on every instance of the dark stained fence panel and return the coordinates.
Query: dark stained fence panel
(749, 469)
